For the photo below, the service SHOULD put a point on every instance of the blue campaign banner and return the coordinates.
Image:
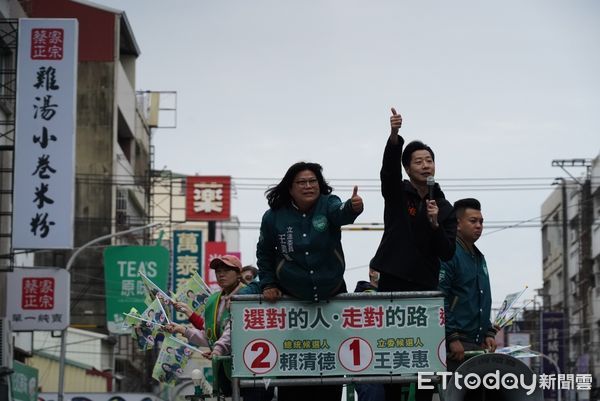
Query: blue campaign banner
(553, 347)
(187, 260)
(347, 335)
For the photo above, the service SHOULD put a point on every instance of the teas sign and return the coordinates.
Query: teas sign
(39, 299)
(208, 198)
(44, 173)
(124, 286)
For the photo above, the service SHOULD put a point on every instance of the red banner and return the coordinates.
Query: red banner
(212, 250)
(208, 198)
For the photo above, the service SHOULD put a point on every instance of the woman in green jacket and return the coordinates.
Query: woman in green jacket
(299, 252)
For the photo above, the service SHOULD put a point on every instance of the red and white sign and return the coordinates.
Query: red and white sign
(38, 299)
(260, 356)
(38, 293)
(208, 198)
(44, 174)
(212, 250)
(47, 43)
(355, 354)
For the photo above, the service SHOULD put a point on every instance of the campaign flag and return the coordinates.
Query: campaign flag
(144, 334)
(132, 318)
(155, 313)
(154, 292)
(172, 360)
(202, 283)
(193, 294)
(148, 325)
(502, 318)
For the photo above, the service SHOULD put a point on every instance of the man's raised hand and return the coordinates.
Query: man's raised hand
(395, 122)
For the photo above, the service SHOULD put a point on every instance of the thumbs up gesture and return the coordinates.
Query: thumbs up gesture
(356, 201)
(395, 121)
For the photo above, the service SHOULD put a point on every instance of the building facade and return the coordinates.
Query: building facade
(113, 166)
(571, 265)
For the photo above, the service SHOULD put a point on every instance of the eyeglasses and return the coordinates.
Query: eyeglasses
(307, 183)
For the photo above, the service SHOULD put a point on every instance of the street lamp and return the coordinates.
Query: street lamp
(196, 376)
(539, 354)
(63, 337)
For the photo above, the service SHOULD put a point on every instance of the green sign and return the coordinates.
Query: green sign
(24, 382)
(124, 286)
(375, 336)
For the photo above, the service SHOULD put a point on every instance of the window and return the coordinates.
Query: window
(121, 208)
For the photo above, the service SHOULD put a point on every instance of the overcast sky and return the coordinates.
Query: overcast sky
(497, 89)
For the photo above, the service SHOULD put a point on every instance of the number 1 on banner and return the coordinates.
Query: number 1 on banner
(260, 356)
(355, 354)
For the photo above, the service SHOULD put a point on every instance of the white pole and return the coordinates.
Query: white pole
(63, 337)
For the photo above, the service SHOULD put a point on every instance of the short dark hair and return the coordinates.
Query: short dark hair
(467, 203)
(251, 268)
(279, 195)
(413, 147)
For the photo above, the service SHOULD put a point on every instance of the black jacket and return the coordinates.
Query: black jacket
(410, 249)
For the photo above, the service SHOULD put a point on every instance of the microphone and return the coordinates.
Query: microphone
(430, 185)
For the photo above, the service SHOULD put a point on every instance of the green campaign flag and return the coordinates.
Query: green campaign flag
(172, 360)
(193, 294)
(144, 334)
(24, 382)
(124, 286)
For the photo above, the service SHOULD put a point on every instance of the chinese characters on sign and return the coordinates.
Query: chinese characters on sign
(38, 293)
(553, 331)
(304, 339)
(47, 44)
(212, 250)
(208, 198)
(38, 299)
(45, 134)
(187, 260)
(123, 284)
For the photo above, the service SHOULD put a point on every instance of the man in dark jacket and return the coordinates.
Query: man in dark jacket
(465, 282)
(420, 229)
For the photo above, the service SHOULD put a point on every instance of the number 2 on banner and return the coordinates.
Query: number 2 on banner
(260, 356)
(355, 354)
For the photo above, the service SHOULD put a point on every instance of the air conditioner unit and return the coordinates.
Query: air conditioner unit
(6, 357)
